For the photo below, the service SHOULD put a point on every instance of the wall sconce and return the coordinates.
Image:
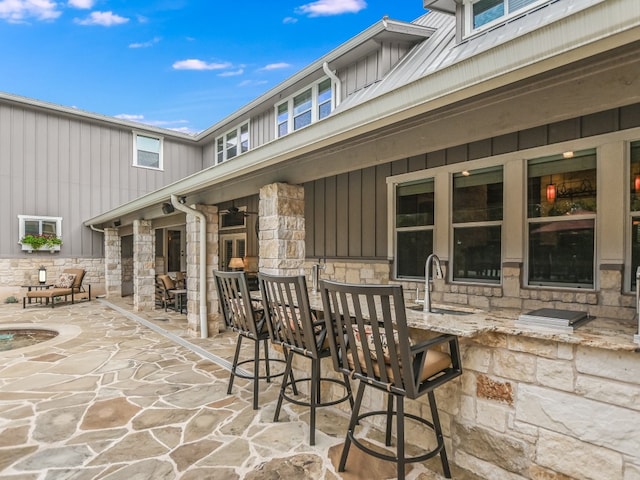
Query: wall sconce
(236, 263)
(167, 208)
(551, 191)
(182, 199)
(42, 275)
(636, 184)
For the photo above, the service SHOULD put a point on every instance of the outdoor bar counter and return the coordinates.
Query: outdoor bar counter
(534, 402)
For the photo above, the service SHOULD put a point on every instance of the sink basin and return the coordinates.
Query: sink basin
(440, 311)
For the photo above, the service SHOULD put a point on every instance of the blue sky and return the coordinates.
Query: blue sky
(172, 63)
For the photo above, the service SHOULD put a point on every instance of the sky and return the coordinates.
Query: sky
(178, 64)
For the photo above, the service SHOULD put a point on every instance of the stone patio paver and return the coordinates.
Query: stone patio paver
(111, 398)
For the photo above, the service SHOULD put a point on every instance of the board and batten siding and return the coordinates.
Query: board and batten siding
(60, 166)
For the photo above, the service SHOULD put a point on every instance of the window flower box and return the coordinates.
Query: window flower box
(41, 243)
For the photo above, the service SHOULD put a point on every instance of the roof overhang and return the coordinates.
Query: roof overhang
(444, 6)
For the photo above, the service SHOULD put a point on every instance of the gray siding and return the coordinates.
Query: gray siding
(59, 166)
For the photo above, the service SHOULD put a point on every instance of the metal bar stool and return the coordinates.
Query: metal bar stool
(292, 324)
(369, 340)
(246, 317)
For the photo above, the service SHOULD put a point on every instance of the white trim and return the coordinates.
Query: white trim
(468, 17)
(238, 131)
(314, 87)
(159, 138)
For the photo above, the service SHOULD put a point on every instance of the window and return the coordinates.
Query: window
(477, 225)
(414, 227)
(634, 205)
(481, 13)
(233, 245)
(232, 143)
(561, 205)
(304, 108)
(147, 151)
(37, 226)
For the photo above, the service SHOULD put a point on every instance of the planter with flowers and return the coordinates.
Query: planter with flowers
(41, 242)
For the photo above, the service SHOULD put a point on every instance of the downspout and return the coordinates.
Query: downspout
(204, 330)
(336, 80)
(96, 229)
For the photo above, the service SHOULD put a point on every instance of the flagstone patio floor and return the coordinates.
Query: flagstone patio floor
(122, 395)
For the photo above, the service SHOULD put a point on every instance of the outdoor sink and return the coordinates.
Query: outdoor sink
(440, 311)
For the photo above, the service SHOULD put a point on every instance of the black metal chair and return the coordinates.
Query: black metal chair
(246, 317)
(369, 340)
(292, 324)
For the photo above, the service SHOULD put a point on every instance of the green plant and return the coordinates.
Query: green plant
(38, 241)
(11, 299)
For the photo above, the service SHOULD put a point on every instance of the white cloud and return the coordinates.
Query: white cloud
(105, 19)
(251, 83)
(177, 125)
(195, 64)
(19, 11)
(148, 44)
(233, 73)
(289, 20)
(130, 117)
(331, 7)
(83, 4)
(275, 66)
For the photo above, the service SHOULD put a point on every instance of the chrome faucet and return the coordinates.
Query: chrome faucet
(315, 274)
(428, 269)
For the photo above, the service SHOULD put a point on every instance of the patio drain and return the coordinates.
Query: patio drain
(179, 340)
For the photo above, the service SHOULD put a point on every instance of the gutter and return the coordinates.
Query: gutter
(331, 74)
(204, 328)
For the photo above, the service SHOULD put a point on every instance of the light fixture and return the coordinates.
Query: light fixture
(636, 184)
(236, 263)
(182, 199)
(567, 155)
(551, 191)
(42, 275)
(466, 173)
(167, 208)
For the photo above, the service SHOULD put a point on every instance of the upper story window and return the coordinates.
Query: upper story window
(304, 108)
(561, 203)
(484, 13)
(37, 226)
(477, 225)
(232, 143)
(415, 203)
(147, 151)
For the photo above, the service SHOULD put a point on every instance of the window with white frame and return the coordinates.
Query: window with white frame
(477, 225)
(480, 14)
(39, 226)
(634, 208)
(147, 151)
(233, 143)
(304, 108)
(561, 204)
(414, 227)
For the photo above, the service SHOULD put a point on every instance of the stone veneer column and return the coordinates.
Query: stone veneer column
(112, 263)
(282, 229)
(143, 266)
(193, 270)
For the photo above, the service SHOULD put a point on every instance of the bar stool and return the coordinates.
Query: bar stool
(292, 325)
(369, 340)
(246, 317)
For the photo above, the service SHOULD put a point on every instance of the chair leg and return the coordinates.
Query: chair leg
(439, 437)
(267, 369)
(234, 365)
(347, 386)
(315, 399)
(256, 372)
(400, 435)
(352, 425)
(285, 377)
(387, 438)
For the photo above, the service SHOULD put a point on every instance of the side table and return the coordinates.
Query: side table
(181, 299)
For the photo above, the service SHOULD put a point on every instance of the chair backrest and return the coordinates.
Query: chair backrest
(289, 317)
(369, 340)
(236, 304)
(167, 282)
(79, 277)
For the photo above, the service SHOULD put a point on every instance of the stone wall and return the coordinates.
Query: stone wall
(15, 272)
